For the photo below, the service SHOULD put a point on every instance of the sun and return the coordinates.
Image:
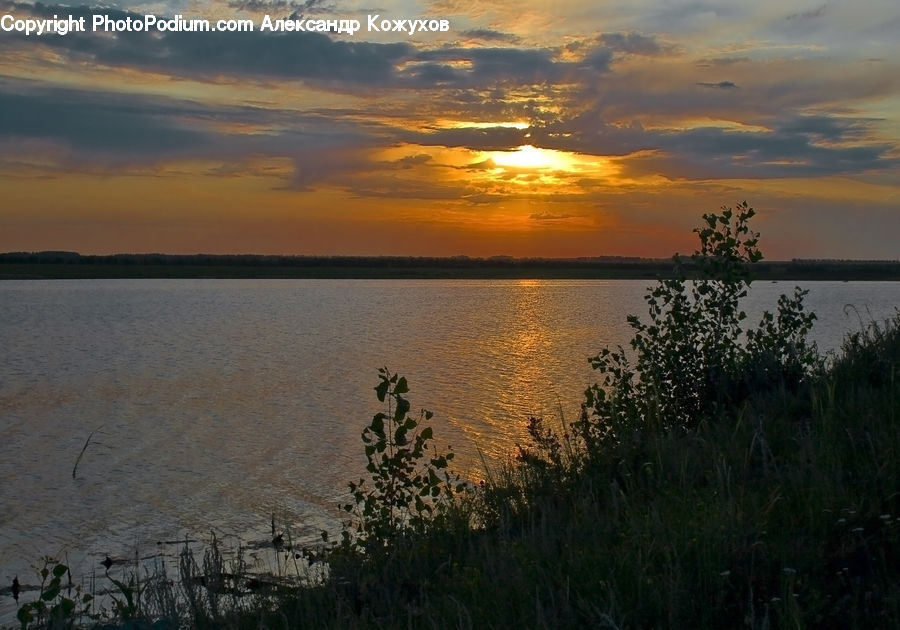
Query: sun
(530, 157)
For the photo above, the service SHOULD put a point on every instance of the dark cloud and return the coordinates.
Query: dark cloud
(307, 56)
(489, 139)
(412, 160)
(808, 15)
(802, 24)
(98, 131)
(829, 128)
(434, 74)
(632, 43)
(721, 85)
(791, 146)
(589, 132)
(598, 59)
(108, 125)
(491, 35)
(258, 55)
(716, 152)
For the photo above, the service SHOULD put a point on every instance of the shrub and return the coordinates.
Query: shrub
(690, 361)
(409, 482)
(56, 605)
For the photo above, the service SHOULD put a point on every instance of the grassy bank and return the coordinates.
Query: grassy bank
(719, 476)
(782, 514)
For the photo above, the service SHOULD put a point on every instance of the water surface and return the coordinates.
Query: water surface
(221, 402)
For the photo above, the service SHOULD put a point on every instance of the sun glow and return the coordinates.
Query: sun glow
(531, 157)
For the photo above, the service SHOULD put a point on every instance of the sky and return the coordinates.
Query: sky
(528, 128)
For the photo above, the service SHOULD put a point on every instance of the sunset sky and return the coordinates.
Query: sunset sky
(530, 128)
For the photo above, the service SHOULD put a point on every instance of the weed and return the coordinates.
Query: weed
(408, 484)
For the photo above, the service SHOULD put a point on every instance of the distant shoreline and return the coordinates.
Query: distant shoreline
(66, 265)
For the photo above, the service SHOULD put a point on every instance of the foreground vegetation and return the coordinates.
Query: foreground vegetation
(720, 476)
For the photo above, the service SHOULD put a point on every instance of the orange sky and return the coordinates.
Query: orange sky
(580, 131)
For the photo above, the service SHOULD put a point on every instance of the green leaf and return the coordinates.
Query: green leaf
(427, 433)
(51, 593)
(377, 425)
(402, 408)
(24, 615)
(60, 570)
(381, 390)
(401, 387)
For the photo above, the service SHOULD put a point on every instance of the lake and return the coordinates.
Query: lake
(220, 403)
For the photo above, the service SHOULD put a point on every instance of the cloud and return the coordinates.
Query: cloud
(689, 17)
(549, 216)
(719, 153)
(722, 61)
(488, 34)
(808, 15)
(632, 43)
(598, 59)
(830, 128)
(348, 65)
(721, 85)
(789, 145)
(294, 9)
(411, 161)
(576, 98)
(485, 139)
(107, 124)
(205, 56)
(499, 66)
(87, 131)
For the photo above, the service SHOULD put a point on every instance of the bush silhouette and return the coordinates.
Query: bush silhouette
(689, 361)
